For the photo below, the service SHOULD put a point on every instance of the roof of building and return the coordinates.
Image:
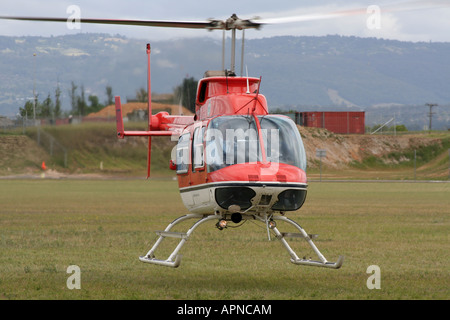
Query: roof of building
(110, 111)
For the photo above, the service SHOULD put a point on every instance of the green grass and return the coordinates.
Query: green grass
(104, 226)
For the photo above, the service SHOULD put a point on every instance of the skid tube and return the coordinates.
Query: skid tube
(174, 259)
(306, 262)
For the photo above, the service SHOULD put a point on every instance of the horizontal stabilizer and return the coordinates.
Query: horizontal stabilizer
(121, 133)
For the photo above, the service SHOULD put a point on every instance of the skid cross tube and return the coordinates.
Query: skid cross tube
(174, 259)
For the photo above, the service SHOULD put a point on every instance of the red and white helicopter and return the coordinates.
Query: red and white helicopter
(234, 161)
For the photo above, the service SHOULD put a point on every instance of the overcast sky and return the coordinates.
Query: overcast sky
(408, 20)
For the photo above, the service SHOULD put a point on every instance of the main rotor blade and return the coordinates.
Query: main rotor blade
(397, 7)
(235, 23)
(212, 24)
(231, 23)
(310, 17)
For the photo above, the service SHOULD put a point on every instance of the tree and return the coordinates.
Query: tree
(27, 110)
(401, 127)
(45, 108)
(109, 96)
(186, 93)
(57, 110)
(81, 103)
(95, 106)
(141, 95)
(73, 97)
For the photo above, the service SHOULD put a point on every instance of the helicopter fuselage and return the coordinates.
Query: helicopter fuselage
(235, 157)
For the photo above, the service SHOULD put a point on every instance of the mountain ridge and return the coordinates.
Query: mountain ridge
(298, 73)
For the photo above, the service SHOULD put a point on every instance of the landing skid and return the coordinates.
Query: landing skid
(174, 259)
(306, 262)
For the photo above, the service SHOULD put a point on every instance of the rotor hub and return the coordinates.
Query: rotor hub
(234, 22)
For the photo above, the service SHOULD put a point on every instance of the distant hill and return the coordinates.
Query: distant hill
(299, 73)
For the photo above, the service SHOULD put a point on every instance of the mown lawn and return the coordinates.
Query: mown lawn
(103, 226)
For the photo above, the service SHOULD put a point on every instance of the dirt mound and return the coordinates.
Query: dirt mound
(345, 149)
(20, 154)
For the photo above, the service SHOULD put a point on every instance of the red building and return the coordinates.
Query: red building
(343, 122)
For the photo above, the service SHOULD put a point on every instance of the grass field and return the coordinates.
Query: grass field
(103, 226)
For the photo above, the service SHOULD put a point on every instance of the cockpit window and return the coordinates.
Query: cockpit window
(234, 139)
(231, 140)
(282, 141)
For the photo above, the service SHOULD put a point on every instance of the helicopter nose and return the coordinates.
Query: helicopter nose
(227, 197)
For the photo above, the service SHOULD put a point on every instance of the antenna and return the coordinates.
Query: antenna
(226, 79)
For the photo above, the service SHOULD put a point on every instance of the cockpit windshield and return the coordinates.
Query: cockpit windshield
(235, 139)
(283, 143)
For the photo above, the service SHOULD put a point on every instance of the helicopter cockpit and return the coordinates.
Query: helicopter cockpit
(241, 139)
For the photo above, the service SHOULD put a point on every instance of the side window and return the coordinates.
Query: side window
(202, 93)
(198, 149)
(183, 153)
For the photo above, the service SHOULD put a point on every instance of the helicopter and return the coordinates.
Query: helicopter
(234, 161)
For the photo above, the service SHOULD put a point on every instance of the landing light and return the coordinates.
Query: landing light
(221, 224)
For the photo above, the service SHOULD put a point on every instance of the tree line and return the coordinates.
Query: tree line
(50, 107)
(81, 107)
(44, 109)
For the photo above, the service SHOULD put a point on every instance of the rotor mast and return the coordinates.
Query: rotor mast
(233, 23)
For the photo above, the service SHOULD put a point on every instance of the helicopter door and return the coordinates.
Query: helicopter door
(201, 197)
(198, 162)
(183, 153)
